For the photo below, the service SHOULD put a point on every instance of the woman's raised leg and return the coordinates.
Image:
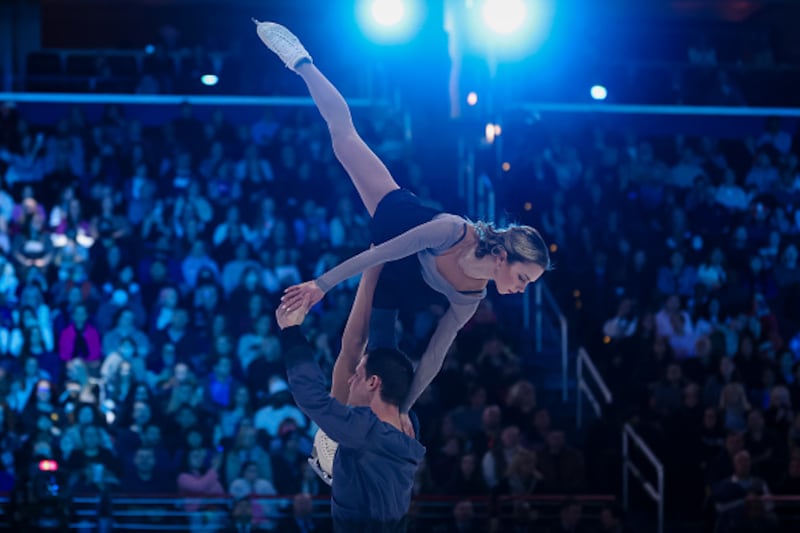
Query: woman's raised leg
(367, 172)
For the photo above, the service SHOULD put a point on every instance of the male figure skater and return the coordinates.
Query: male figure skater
(374, 467)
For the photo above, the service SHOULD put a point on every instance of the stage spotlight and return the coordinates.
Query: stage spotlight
(504, 16)
(388, 12)
(389, 21)
(472, 98)
(209, 80)
(598, 92)
(509, 29)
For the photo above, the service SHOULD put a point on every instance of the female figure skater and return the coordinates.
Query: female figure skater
(431, 256)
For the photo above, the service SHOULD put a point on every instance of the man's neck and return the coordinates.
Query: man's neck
(387, 413)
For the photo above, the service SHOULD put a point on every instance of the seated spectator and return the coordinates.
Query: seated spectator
(199, 478)
(246, 449)
(765, 454)
(721, 466)
(712, 436)
(570, 519)
(496, 460)
(678, 278)
(289, 451)
(668, 393)
(713, 389)
(197, 261)
(522, 478)
(734, 496)
(624, 323)
(468, 418)
(230, 418)
(790, 482)
(734, 405)
(611, 520)
(779, 415)
(144, 478)
(712, 273)
(219, 388)
(464, 519)
(261, 347)
(126, 328)
(279, 407)
(561, 465)
(234, 270)
(80, 340)
(676, 325)
(91, 452)
(730, 194)
(302, 518)
(179, 335)
(492, 423)
(248, 486)
(130, 438)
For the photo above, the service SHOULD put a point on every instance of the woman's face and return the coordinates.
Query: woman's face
(513, 278)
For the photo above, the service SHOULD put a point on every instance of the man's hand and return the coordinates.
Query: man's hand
(287, 318)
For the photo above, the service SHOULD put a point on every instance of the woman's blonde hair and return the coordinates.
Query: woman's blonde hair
(521, 244)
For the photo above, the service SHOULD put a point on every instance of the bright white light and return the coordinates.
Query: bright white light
(472, 98)
(388, 12)
(389, 21)
(504, 16)
(209, 80)
(598, 92)
(489, 133)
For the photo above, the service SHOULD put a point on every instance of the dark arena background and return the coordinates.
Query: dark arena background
(163, 178)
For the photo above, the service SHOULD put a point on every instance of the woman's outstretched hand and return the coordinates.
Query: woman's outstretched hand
(293, 297)
(406, 426)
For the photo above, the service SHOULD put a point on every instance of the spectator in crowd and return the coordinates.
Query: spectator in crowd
(302, 519)
(144, 478)
(249, 486)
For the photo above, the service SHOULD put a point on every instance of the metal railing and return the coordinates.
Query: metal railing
(656, 493)
(176, 513)
(544, 300)
(583, 361)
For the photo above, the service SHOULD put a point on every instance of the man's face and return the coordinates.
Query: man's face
(362, 388)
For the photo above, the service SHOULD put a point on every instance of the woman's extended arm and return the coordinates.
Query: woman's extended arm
(433, 358)
(438, 234)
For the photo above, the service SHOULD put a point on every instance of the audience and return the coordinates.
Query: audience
(129, 362)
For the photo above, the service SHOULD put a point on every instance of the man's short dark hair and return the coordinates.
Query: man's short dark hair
(395, 371)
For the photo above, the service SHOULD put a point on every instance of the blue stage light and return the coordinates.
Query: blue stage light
(209, 80)
(389, 21)
(388, 12)
(504, 16)
(598, 92)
